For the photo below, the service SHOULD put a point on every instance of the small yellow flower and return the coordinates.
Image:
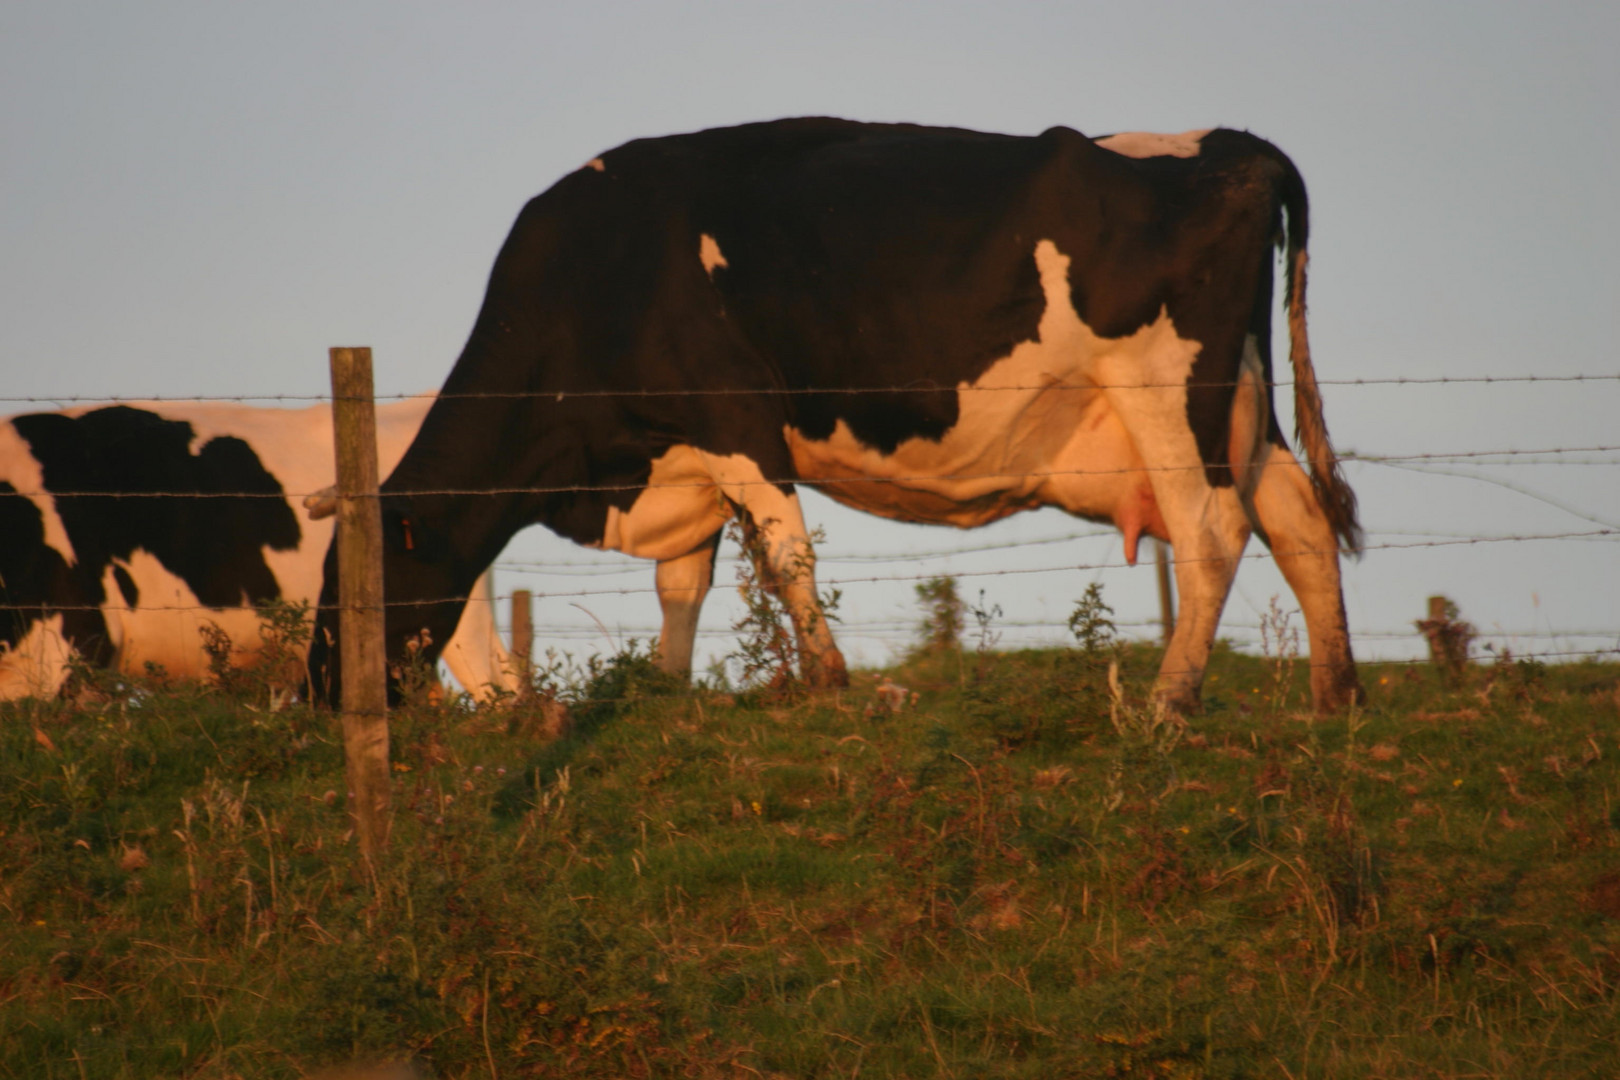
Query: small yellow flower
(400, 766)
(754, 804)
(1457, 782)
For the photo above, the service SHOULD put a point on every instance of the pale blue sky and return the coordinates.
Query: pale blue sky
(200, 198)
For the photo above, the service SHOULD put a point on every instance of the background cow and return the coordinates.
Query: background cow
(125, 578)
(930, 324)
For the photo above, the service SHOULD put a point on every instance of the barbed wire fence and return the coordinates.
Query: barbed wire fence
(569, 587)
(572, 617)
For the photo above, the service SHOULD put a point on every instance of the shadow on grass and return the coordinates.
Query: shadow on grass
(611, 688)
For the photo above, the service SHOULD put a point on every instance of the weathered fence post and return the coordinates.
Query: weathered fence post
(1167, 597)
(523, 639)
(361, 625)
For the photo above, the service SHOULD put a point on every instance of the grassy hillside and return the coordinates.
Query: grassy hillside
(1000, 871)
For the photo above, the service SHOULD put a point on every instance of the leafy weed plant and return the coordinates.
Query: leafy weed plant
(768, 654)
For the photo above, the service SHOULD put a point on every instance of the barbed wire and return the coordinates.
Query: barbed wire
(810, 481)
(834, 582)
(1610, 654)
(1448, 456)
(61, 400)
(909, 556)
(630, 564)
(896, 628)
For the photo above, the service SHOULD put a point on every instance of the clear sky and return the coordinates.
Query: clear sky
(201, 198)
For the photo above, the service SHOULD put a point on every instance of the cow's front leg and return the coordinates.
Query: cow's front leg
(683, 582)
(782, 541)
(785, 564)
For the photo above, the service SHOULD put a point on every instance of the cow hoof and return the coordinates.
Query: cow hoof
(1339, 701)
(1335, 693)
(829, 673)
(829, 680)
(1177, 702)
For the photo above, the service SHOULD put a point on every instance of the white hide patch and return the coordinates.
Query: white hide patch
(1146, 144)
(165, 625)
(20, 469)
(1251, 409)
(293, 445)
(683, 505)
(710, 255)
(1037, 428)
(689, 498)
(475, 655)
(37, 665)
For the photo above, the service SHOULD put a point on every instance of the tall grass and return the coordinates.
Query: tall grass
(1015, 874)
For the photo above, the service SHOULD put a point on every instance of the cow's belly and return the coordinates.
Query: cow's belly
(1067, 449)
(932, 483)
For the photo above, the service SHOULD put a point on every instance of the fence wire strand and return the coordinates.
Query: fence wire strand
(69, 400)
(1431, 462)
(809, 481)
(834, 582)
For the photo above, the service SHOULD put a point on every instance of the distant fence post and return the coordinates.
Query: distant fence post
(523, 638)
(361, 624)
(1448, 635)
(1167, 597)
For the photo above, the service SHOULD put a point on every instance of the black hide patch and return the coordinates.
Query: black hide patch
(127, 479)
(126, 586)
(35, 580)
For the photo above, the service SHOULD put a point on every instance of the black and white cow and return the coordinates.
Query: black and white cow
(92, 563)
(930, 324)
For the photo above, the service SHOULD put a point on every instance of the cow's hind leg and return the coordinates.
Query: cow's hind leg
(1208, 530)
(1207, 525)
(1307, 553)
(683, 582)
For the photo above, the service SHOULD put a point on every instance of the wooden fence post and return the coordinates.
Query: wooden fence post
(523, 639)
(361, 623)
(1449, 636)
(1167, 596)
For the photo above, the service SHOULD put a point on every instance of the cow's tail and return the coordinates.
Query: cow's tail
(1333, 492)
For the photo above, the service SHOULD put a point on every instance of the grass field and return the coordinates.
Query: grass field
(1010, 874)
